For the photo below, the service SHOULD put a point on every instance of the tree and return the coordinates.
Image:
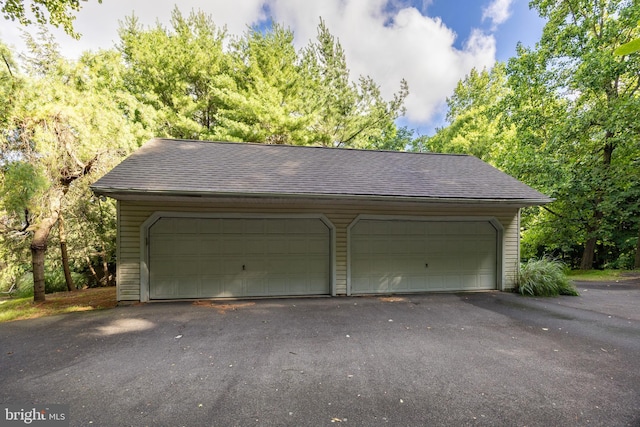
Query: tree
(179, 72)
(475, 118)
(599, 136)
(562, 118)
(259, 89)
(265, 102)
(60, 128)
(58, 13)
(343, 113)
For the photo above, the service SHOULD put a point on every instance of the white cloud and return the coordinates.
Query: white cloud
(498, 11)
(386, 39)
(389, 47)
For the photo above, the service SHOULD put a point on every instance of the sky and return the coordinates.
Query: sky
(430, 43)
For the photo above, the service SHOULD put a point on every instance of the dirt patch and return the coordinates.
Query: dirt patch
(58, 303)
(91, 299)
(223, 308)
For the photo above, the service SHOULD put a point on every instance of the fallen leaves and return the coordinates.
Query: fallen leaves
(392, 299)
(58, 303)
(223, 308)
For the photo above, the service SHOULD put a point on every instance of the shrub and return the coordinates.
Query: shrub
(54, 280)
(544, 277)
(24, 285)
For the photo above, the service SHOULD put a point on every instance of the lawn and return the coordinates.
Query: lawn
(57, 303)
(602, 275)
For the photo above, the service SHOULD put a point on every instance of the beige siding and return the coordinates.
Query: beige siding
(131, 215)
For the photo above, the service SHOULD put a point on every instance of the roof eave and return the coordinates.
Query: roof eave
(136, 194)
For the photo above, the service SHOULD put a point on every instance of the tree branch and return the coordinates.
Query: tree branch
(6, 62)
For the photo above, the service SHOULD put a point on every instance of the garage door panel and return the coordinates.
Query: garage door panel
(416, 283)
(232, 226)
(306, 227)
(164, 226)
(232, 246)
(228, 257)
(189, 288)
(317, 246)
(233, 285)
(411, 256)
(210, 227)
(210, 246)
(186, 226)
(371, 284)
(316, 285)
(255, 246)
(164, 287)
(211, 283)
(182, 266)
(297, 245)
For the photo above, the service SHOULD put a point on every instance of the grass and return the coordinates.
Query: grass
(601, 275)
(545, 277)
(57, 303)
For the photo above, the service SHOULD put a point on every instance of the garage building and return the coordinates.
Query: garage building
(201, 219)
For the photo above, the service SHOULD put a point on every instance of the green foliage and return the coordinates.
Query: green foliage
(343, 113)
(20, 185)
(54, 280)
(260, 89)
(58, 13)
(544, 277)
(24, 284)
(628, 48)
(606, 275)
(562, 117)
(474, 119)
(178, 72)
(264, 103)
(68, 122)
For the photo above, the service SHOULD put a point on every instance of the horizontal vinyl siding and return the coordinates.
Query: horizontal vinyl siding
(341, 214)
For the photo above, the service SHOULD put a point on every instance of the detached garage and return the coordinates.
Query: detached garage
(203, 219)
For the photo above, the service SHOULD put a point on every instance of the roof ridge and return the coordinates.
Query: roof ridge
(311, 146)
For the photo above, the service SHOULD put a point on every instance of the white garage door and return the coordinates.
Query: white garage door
(389, 256)
(223, 257)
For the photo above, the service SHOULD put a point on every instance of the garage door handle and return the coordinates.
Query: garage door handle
(426, 266)
(243, 268)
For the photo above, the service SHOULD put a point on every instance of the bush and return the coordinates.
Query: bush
(54, 280)
(24, 286)
(544, 277)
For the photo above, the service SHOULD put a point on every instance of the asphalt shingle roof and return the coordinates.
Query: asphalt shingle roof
(183, 167)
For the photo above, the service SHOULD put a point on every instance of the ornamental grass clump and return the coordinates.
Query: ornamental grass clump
(545, 278)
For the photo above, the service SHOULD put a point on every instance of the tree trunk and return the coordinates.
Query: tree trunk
(65, 256)
(92, 270)
(588, 254)
(636, 264)
(39, 245)
(105, 267)
(38, 250)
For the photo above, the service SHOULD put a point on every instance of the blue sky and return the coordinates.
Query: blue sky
(430, 43)
(523, 25)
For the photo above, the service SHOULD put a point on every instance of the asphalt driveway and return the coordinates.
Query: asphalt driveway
(459, 359)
